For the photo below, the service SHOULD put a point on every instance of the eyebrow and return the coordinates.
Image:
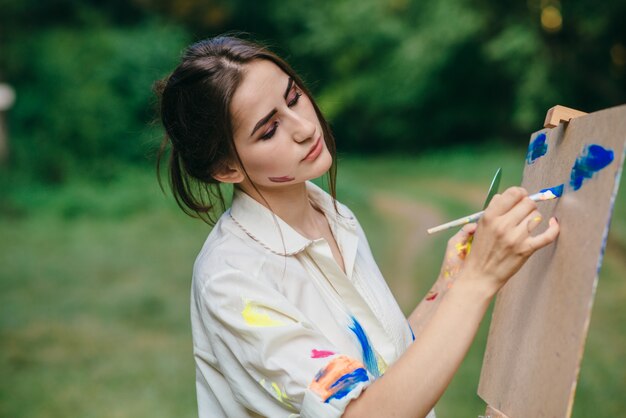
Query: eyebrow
(267, 117)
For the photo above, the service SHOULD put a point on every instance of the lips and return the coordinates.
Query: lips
(315, 151)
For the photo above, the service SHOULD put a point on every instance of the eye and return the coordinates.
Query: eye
(294, 100)
(270, 133)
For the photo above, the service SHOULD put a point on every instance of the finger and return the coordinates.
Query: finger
(502, 203)
(463, 234)
(546, 237)
(528, 224)
(468, 230)
(532, 221)
(518, 214)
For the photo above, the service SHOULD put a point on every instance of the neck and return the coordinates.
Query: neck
(292, 205)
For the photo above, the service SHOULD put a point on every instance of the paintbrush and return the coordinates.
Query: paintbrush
(542, 195)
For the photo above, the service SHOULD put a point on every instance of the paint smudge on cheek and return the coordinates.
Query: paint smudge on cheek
(321, 353)
(537, 148)
(340, 376)
(283, 179)
(432, 295)
(253, 316)
(593, 159)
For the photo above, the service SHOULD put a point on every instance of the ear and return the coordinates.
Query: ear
(229, 174)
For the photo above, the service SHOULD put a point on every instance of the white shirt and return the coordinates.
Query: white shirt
(279, 330)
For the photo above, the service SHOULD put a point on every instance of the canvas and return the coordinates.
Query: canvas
(541, 317)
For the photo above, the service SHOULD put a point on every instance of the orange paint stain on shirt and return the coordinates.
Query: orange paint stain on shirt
(334, 370)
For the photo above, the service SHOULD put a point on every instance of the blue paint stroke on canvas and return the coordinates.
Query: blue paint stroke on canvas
(537, 148)
(369, 358)
(593, 159)
(346, 383)
(556, 190)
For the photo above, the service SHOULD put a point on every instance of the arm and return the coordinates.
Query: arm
(501, 245)
(457, 249)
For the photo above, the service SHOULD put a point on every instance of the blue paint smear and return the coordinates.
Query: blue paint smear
(594, 159)
(537, 148)
(320, 374)
(412, 335)
(557, 190)
(369, 358)
(346, 383)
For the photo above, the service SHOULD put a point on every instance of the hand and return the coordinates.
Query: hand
(503, 241)
(457, 250)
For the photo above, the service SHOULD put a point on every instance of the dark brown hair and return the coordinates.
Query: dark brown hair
(195, 111)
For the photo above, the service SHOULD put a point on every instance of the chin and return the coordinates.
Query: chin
(324, 161)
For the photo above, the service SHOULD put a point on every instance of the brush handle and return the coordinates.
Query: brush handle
(537, 197)
(457, 222)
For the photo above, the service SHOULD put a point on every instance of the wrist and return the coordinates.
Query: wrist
(475, 285)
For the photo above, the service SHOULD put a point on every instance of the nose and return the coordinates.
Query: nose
(303, 128)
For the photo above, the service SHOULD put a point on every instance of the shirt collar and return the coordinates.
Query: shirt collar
(265, 227)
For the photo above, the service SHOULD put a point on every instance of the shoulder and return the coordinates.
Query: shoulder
(229, 252)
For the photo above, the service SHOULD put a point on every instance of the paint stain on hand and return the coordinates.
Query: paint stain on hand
(432, 295)
(463, 248)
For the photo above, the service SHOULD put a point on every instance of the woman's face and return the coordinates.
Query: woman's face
(276, 131)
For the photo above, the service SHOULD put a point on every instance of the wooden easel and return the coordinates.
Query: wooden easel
(555, 116)
(559, 114)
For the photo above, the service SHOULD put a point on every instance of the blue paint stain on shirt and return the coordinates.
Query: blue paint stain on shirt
(537, 148)
(369, 358)
(556, 190)
(412, 335)
(594, 159)
(346, 383)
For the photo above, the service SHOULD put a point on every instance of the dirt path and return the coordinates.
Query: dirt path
(409, 219)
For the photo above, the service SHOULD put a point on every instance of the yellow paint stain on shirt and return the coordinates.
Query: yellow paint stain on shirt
(255, 318)
(382, 365)
(279, 394)
(282, 396)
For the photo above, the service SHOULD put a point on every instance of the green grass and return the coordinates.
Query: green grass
(94, 289)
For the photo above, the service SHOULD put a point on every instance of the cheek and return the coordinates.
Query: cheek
(267, 160)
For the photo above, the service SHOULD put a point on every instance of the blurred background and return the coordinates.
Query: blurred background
(426, 100)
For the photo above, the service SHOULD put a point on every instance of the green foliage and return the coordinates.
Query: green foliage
(385, 87)
(392, 76)
(84, 96)
(407, 76)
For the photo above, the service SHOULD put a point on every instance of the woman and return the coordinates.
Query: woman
(290, 314)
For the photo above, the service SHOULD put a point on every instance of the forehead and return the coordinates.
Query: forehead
(263, 82)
